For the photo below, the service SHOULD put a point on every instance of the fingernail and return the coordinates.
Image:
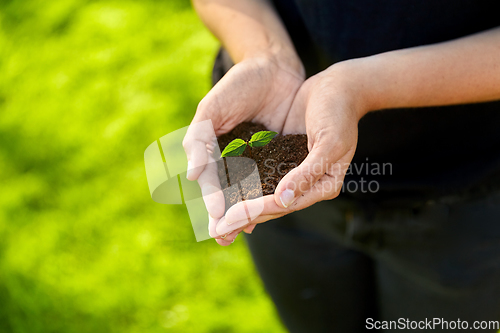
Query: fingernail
(189, 169)
(287, 197)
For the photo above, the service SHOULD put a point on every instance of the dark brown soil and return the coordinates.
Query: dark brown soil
(273, 162)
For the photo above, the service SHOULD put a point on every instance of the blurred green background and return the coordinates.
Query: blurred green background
(85, 87)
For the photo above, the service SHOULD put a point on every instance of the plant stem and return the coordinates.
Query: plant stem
(249, 151)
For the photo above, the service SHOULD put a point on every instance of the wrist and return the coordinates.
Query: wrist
(360, 80)
(282, 56)
(345, 81)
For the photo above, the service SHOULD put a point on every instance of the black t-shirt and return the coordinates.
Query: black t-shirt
(427, 152)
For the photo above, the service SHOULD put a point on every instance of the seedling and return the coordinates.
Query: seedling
(237, 146)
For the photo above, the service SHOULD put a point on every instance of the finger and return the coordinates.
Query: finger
(262, 219)
(211, 191)
(246, 210)
(266, 218)
(197, 159)
(301, 179)
(243, 212)
(226, 234)
(229, 238)
(232, 235)
(250, 228)
(212, 224)
(239, 212)
(224, 228)
(199, 143)
(223, 242)
(238, 215)
(327, 187)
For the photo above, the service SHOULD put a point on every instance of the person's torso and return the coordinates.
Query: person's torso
(431, 151)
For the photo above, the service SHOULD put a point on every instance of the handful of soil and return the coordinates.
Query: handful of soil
(273, 161)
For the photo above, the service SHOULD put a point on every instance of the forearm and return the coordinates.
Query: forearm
(248, 28)
(464, 70)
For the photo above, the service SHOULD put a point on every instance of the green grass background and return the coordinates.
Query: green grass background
(85, 87)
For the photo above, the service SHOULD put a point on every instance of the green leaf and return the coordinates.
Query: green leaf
(234, 148)
(261, 138)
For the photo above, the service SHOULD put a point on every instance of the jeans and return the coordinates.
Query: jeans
(338, 267)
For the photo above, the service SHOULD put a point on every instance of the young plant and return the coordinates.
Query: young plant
(237, 146)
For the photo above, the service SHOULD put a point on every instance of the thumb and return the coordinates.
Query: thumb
(301, 179)
(199, 143)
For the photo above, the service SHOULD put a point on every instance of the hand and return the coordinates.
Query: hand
(327, 107)
(257, 89)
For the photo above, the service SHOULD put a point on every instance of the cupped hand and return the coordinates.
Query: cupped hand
(327, 107)
(258, 89)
